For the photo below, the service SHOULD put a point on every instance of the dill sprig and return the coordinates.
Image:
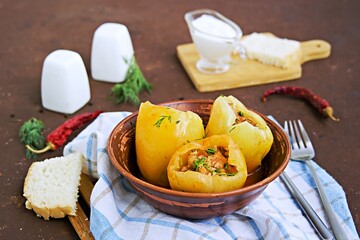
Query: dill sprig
(128, 91)
(198, 163)
(201, 162)
(210, 151)
(232, 129)
(31, 134)
(161, 119)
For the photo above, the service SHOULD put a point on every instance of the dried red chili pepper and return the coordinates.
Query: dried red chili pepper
(319, 103)
(59, 136)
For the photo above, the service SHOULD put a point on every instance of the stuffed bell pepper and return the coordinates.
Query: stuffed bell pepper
(160, 131)
(249, 131)
(210, 165)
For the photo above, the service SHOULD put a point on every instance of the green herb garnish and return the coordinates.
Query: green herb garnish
(210, 151)
(208, 168)
(227, 174)
(232, 129)
(198, 163)
(178, 121)
(161, 119)
(31, 134)
(241, 114)
(230, 174)
(201, 162)
(128, 91)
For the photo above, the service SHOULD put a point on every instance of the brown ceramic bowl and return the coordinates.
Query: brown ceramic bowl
(121, 149)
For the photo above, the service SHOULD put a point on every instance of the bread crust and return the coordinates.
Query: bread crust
(56, 212)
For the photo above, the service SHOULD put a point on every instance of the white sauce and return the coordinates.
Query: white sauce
(213, 26)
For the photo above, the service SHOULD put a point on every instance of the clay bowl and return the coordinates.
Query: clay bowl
(121, 149)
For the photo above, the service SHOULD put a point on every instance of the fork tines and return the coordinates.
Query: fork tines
(300, 139)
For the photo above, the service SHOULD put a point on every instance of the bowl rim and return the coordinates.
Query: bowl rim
(256, 186)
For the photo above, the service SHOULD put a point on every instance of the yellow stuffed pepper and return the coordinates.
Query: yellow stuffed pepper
(160, 131)
(249, 131)
(213, 164)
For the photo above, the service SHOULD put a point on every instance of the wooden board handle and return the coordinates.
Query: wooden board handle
(81, 222)
(86, 187)
(314, 49)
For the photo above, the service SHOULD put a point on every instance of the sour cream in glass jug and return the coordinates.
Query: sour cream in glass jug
(215, 37)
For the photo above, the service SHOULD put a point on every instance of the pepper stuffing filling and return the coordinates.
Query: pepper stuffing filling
(240, 117)
(212, 161)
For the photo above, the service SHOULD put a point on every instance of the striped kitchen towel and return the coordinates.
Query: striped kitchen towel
(117, 212)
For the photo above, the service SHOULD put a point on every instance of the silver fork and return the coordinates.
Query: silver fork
(302, 150)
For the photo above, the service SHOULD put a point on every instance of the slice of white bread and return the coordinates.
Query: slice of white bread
(51, 186)
(271, 50)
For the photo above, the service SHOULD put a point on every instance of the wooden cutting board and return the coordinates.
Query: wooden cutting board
(244, 73)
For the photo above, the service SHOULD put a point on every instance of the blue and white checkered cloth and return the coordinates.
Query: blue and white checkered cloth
(117, 212)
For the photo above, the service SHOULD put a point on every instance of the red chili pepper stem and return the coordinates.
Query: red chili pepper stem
(48, 147)
(329, 111)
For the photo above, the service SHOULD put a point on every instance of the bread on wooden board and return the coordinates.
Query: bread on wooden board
(51, 186)
(279, 52)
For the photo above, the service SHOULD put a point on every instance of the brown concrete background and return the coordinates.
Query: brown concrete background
(30, 30)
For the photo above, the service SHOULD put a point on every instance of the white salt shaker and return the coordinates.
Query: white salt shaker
(111, 52)
(64, 82)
